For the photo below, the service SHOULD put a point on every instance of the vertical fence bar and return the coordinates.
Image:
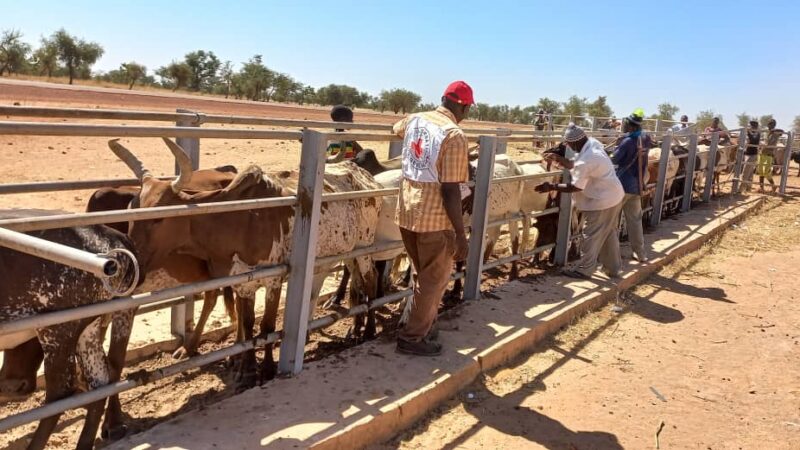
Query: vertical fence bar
(182, 315)
(564, 234)
(395, 149)
(480, 205)
(688, 186)
(787, 157)
(502, 145)
(711, 166)
(661, 183)
(739, 165)
(304, 252)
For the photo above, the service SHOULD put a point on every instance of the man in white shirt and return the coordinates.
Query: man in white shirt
(598, 195)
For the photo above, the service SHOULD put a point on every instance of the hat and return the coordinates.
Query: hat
(459, 92)
(637, 116)
(573, 133)
(341, 113)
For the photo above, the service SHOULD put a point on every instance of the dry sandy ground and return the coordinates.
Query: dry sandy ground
(709, 346)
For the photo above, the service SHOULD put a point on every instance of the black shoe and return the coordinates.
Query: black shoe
(421, 348)
(433, 335)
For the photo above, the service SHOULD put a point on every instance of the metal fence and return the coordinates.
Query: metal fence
(303, 258)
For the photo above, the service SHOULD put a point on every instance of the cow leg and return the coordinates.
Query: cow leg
(383, 277)
(513, 233)
(189, 347)
(245, 376)
(268, 323)
(114, 427)
(18, 375)
(95, 369)
(58, 343)
(454, 297)
(340, 291)
(367, 279)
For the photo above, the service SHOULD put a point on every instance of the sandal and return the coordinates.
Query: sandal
(575, 274)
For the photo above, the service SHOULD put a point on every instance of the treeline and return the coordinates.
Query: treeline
(65, 55)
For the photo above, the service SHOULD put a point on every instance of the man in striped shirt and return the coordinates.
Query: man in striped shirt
(435, 164)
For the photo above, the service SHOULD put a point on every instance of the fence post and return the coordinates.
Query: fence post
(182, 315)
(737, 168)
(304, 252)
(502, 144)
(564, 234)
(786, 158)
(688, 185)
(711, 165)
(658, 126)
(395, 149)
(661, 182)
(480, 204)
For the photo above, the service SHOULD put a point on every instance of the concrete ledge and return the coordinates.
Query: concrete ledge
(369, 393)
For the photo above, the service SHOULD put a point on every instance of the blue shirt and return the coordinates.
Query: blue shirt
(624, 158)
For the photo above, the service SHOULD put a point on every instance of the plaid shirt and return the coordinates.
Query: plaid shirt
(420, 206)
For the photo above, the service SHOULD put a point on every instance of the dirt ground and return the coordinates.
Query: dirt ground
(708, 347)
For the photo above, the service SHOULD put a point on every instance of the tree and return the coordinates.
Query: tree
(575, 106)
(399, 100)
(665, 111)
(340, 94)
(764, 120)
(204, 67)
(254, 79)
(796, 126)
(225, 78)
(599, 108)
(743, 119)
(704, 119)
(427, 107)
(45, 58)
(133, 72)
(13, 52)
(175, 75)
(78, 55)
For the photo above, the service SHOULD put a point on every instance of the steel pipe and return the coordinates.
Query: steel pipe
(509, 259)
(66, 129)
(99, 266)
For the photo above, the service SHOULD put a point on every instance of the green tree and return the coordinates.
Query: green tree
(427, 107)
(340, 94)
(77, 54)
(575, 106)
(254, 79)
(665, 111)
(743, 120)
(704, 119)
(13, 52)
(204, 67)
(599, 108)
(176, 75)
(796, 126)
(765, 119)
(133, 72)
(45, 58)
(399, 100)
(225, 79)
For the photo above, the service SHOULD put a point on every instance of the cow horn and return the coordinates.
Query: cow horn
(184, 164)
(129, 159)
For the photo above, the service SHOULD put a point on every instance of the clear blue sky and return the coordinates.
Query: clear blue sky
(729, 56)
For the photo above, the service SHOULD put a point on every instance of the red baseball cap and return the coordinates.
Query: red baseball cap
(459, 92)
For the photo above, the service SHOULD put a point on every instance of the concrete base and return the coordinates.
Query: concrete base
(369, 393)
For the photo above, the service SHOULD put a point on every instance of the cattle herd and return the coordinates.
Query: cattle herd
(179, 250)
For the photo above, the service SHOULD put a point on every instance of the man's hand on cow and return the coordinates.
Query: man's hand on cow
(462, 247)
(544, 187)
(558, 159)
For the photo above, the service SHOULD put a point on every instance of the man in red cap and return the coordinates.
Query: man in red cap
(435, 164)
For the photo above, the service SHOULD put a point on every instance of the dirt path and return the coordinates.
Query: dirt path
(709, 346)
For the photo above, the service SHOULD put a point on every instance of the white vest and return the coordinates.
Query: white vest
(421, 146)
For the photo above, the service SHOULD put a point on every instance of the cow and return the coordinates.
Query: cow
(73, 351)
(367, 160)
(238, 242)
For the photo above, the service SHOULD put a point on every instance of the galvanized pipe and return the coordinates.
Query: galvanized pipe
(66, 129)
(99, 266)
(134, 301)
(532, 176)
(509, 259)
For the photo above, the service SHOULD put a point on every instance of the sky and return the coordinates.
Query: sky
(727, 56)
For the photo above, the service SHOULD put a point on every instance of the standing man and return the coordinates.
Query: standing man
(598, 195)
(343, 150)
(750, 156)
(681, 130)
(435, 163)
(715, 127)
(630, 157)
(766, 159)
(540, 124)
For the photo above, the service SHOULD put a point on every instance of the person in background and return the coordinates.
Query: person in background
(750, 156)
(630, 157)
(715, 127)
(766, 159)
(681, 130)
(435, 164)
(541, 122)
(598, 195)
(343, 150)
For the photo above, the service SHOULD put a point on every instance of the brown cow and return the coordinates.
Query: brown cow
(238, 242)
